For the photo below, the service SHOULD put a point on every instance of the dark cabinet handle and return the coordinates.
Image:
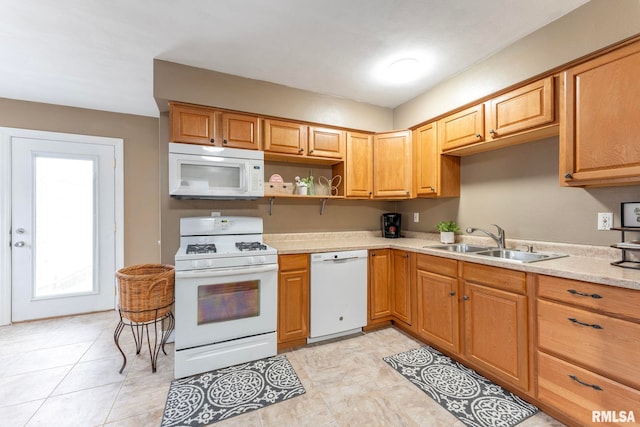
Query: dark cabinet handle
(373, 254)
(493, 132)
(568, 175)
(301, 150)
(405, 256)
(577, 322)
(311, 151)
(582, 294)
(466, 298)
(224, 141)
(593, 386)
(452, 293)
(212, 140)
(478, 135)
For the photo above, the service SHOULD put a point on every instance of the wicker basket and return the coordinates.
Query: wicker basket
(146, 291)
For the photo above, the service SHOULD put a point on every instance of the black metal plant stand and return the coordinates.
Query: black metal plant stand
(138, 330)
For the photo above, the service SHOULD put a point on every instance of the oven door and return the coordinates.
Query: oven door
(213, 306)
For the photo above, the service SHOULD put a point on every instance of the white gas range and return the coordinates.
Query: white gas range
(225, 294)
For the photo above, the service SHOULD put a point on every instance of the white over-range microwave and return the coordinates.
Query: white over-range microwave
(203, 172)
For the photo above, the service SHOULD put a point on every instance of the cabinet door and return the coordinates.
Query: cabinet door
(438, 310)
(293, 298)
(285, 137)
(326, 142)
(392, 165)
(496, 333)
(463, 128)
(401, 286)
(425, 140)
(359, 164)
(599, 126)
(240, 131)
(192, 125)
(379, 290)
(521, 109)
(436, 175)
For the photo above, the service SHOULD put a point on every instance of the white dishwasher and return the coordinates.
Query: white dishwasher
(338, 294)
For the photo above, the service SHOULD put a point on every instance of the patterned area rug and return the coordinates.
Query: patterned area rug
(207, 398)
(467, 395)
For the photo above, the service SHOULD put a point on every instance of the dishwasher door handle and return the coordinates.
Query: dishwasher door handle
(340, 260)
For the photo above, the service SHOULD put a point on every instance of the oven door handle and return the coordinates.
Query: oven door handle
(219, 272)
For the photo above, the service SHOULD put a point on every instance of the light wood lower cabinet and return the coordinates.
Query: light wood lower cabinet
(293, 300)
(588, 341)
(496, 332)
(438, 308)
(379, 307)
(579, 393)
(401, 285)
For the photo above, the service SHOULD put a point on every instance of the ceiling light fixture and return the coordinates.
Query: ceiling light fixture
(403, 70)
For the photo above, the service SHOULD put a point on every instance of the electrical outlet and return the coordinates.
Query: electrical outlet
(605, 220)
(416, 217)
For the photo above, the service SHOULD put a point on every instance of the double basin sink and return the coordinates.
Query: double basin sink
(497, 253)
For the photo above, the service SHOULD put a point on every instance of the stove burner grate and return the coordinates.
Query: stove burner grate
(251, 246)
(201, 248)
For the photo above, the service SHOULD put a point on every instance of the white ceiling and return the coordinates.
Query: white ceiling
(99, 54)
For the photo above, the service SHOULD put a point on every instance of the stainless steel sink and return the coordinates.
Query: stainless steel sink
(518, 256)
(458, 247)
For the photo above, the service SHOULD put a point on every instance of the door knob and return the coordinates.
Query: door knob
(19, 244)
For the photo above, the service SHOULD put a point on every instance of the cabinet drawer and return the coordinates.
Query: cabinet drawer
(618, 301)
(569, 388)
(501, 278)
(438, 265)
(293, 262)
(603, 344)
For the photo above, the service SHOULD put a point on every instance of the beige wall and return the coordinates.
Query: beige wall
(176, 82)
(595, 25)
(517, 188)
(140, 135)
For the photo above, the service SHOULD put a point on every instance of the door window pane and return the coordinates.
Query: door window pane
(64, 226)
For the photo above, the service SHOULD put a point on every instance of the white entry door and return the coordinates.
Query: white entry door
(63, 236)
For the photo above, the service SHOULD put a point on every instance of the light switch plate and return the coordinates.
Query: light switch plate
(416, 217)
(605, 220)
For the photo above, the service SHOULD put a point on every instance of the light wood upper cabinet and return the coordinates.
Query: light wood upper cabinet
(521, 109)
(463, 128)
(599, 125)
(436, 175)
(285, 137)
(240, 131)
(326, 142)
(358, 170)
(192, 125)
(527, 113)
(201, 125)
(392, 165)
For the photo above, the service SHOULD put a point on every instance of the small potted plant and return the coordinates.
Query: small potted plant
(447, 230)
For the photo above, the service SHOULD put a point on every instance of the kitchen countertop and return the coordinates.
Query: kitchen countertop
(586, 263)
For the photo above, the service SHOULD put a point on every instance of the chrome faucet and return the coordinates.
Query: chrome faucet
(499, 239)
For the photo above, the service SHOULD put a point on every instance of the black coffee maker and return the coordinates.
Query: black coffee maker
(390, 223)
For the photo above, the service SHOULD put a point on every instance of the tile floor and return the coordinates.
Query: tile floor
(64, 372)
